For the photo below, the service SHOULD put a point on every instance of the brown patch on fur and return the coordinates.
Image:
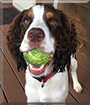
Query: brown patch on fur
(55, 43)
(45, 43)
(30, 14)
(25, 41)
(60, 37)
(28, 42)
(49, 15)
(20, 36)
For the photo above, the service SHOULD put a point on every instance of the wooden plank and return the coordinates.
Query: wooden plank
(10, 84)
(7, 5)
(11, 61)
(1, 38)
(1, 27)
(83, 47)
(20, 75)
(5, 29)
(70, 99)
(83, 76)
(82, 60)
(2, 98)
(5, 101)
(1, 13)
(83, 4)
(74, 11)
(81, 29)
(1, 5)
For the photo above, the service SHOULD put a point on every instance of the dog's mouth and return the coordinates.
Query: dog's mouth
(37, 70)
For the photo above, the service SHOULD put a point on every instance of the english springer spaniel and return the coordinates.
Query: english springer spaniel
(49, 30)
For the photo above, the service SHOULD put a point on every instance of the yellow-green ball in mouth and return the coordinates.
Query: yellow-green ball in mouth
(36, 57)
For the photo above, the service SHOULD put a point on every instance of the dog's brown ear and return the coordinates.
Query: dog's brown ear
(64, 21)
(68, 32)
(13, 41)
(67, 45)
(14, 31)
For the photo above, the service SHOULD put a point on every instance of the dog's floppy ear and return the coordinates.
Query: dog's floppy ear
(14, 41)
(67, 45)
(65, 25)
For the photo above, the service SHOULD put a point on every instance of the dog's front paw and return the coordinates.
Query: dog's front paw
(77, 87)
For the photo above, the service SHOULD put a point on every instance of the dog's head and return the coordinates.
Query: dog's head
(46, 28)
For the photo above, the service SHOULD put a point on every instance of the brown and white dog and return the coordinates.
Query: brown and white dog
(48, 29)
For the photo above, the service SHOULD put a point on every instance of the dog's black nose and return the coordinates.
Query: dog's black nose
(36, 34)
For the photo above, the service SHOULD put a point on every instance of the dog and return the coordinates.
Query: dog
(48, 29)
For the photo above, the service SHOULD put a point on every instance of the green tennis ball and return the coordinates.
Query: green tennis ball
(36, 57)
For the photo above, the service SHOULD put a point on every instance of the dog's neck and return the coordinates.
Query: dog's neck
(49, 73)
(43, 79)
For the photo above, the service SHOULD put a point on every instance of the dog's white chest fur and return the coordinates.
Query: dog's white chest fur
(54, 90)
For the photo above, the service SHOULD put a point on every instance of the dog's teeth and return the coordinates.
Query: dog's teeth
(42, 66)
(36, 68)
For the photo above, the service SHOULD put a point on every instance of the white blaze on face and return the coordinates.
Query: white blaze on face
(38, 22)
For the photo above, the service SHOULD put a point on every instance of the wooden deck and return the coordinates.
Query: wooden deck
(12, 88)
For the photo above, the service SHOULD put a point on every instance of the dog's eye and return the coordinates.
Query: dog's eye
(27, 21)
(53, 22)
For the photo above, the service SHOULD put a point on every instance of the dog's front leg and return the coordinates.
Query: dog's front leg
(76, 85)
